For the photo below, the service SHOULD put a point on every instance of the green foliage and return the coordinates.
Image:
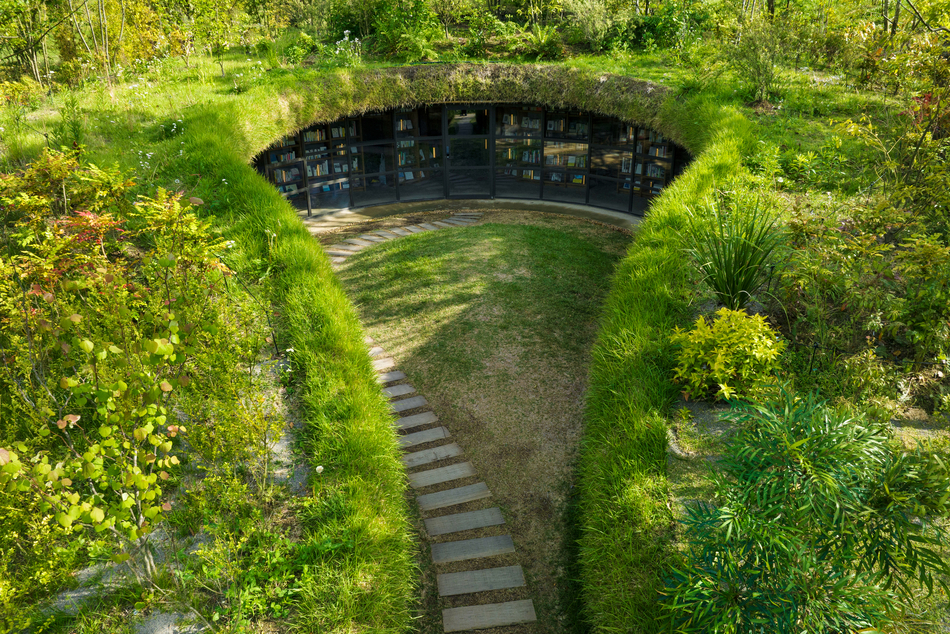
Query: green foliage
(755, 57)
(543, 43)
(736, 356)
(404, 27)
(732, 242)
(814, 527)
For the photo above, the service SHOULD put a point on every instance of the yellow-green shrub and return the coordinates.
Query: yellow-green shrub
(734, 356)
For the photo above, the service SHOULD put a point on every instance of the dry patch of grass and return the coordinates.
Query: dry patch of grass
(493, 324)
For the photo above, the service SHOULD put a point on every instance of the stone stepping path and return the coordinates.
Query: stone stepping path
(468, 584)
(345, 248)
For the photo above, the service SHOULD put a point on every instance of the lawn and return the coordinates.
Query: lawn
(493, 324)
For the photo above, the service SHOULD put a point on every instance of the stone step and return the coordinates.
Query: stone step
(399, 231)
(480, 580)
(444, 225)
(431, 477)
(398, 390)
(457, 223)
(337, 260)
(414, 229)
(408, 403)
(368, 340)
(339, 253)
(478, 617)
(428, 456)
(458, 522)
(472, 549)
(386, 234)
(347, 247)
(358, 242)
(372, 238)
(375, 351)
(420, 437)
(389, 377)
(384, 364)
(416, 420)
(426, 225)
(451, 497)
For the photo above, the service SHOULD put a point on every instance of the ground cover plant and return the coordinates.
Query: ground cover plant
(861, 304)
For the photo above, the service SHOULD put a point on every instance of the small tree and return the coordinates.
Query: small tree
(818, 526)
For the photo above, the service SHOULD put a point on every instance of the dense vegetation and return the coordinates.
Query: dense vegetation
(829, 120)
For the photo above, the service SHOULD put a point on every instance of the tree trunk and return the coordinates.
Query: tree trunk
(897, 17)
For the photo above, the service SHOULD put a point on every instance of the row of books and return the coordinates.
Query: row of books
(570, 160)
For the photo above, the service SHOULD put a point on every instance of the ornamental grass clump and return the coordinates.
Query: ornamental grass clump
(734, 356)
(732, 246)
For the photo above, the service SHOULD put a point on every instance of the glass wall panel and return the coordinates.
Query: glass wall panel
(369, 159)
(610, 194)
(609, 131)
(518, 153)
(468, 152)
(377, 127)
(514, 182)
(566, 125)
(569, 186)
(615, 163)
(421, 184)
(469, 182)
(288, 177)
(330, 195)
(515, 121)
(419, 154)
(419, 122)
(467, 121)
(565, 155)
(373, 190)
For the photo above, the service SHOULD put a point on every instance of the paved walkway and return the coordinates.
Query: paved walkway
(437, 467)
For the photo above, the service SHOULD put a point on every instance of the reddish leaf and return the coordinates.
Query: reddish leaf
(166, 386)
(167, 506)
(4, 456)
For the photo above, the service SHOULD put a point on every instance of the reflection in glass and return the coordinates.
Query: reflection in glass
(373, 158)
(614, 163)
(610, 194)
(467, 122)
(377, 127)
(330, 195)
(419, 122)
(420, 184)
(518, 153)
(566, 186)
(468, 182)
(468, 152)
(519, 122)
(373, 190)
(518, 183)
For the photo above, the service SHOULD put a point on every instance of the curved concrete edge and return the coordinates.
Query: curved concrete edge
(342, 218)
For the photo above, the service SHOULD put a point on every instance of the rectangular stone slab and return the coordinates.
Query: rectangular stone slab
(408, 403)
(428, 456)
(375, 351)
(358, 242)
(478, 617)
(339, 253)
(420, 437)
(347, 247)
(458, 223)
(480, 580)
(368, 340)
(372, 238)
(414, 229)
(398, 390)
(388, 377)
(416, 420)
(451, 497)
(385, 234)
(442, 474)
(384, 364)
(400, 231)
(458, 522)
(472, 549)
(426, 225)
(444, 225)
(337, 260)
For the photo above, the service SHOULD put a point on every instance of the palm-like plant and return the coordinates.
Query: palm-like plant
(732, 247)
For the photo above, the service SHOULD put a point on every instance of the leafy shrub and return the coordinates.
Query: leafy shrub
(734, 357)
(592, 19)
(732, 247)
(818, 526)
(544, 43)
(755, 58)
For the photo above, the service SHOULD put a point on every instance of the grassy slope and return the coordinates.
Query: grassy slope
(622, 475)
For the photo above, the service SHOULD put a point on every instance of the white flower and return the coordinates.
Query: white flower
(289, 350)
(319, 469)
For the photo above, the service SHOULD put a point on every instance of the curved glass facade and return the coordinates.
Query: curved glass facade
(472, 151)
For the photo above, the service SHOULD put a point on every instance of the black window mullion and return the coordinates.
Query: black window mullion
(590, 138)
(491, 152)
